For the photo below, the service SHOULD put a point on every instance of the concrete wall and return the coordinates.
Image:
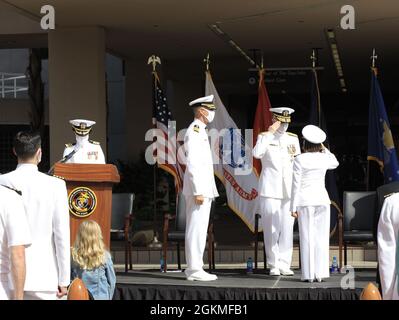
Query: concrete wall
(16, 111)
(76, 84)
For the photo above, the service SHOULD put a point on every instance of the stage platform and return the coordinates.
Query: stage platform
(236, 284)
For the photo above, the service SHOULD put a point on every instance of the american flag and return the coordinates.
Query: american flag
(166, 151)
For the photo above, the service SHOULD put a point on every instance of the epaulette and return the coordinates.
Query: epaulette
(17, 191)
(292, 134)
(59, 177)
(69, 145)
(389, 194)
(196, 128)
(94, 142)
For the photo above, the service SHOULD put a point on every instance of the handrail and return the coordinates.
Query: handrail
(14, 87)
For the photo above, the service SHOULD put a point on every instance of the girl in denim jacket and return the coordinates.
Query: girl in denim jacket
(92, 263)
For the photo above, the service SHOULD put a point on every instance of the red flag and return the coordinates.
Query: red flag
(263, 116)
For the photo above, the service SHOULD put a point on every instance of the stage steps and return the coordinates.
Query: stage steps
(228, 255)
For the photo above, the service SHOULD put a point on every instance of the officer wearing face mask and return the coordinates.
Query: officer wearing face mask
(83, 150)
(199, 188)
(45, 200)
(277, 148)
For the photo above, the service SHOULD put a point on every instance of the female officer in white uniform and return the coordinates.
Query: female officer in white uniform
(311, 204)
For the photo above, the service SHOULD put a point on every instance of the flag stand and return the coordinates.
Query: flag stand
(154, 60)
(373, 60)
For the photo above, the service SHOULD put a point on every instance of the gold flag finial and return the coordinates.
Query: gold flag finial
(313, 58)
(207, 62)
(154, 60)
(373, 59)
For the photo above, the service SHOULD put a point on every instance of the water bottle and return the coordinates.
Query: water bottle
(162, 264)
(250, 266)
(334, 266)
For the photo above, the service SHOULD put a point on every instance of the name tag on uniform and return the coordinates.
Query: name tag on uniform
(92, 154)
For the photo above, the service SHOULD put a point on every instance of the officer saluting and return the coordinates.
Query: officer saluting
(83, 150)
(277, 148)
(199, 187)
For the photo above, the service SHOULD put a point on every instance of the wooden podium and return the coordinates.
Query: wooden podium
(89, 194)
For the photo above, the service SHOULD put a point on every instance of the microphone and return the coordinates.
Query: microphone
(68, 156)
(63, 160)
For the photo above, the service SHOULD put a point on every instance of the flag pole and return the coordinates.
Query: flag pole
(154, 60)
(313, 57)
(373, 68)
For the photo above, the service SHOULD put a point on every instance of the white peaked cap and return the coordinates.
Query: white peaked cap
(82, 122)
(283, 110)
(314, 134)
(207, 100)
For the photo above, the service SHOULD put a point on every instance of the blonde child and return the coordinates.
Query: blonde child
(92, 263)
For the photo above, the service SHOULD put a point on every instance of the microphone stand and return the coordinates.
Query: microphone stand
(63, 160)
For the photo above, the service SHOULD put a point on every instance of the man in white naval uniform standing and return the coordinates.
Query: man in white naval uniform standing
(277, 148)
(45, 201)
(199, 188)
(14, 237)
(388, 246)
(83, 150)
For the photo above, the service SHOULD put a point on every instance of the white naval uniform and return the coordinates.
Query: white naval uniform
(198, 180)
(277, 152)
(310, 199)
(87, 151)
(388, 255)
(46, 205)
(14, 231)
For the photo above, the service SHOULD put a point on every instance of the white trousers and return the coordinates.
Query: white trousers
(314, 233)
(197, 220)
(5, 292)
(278, 231)
(40, 295)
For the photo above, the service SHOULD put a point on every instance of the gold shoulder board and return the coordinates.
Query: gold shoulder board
(68, 145)
(94, 142)
(59, 177)
(196, 128)
(292, 134)
(389, 194)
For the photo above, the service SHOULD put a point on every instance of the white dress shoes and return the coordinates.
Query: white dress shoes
(274, 272)
(202, 276)
(286, 272)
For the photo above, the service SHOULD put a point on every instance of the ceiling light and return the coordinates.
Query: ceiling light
(332, 41)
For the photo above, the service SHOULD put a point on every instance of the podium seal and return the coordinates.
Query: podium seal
(82, 202)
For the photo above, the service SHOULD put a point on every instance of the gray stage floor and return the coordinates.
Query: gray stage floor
(239, 279)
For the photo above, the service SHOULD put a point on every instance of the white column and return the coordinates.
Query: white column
(76, 84)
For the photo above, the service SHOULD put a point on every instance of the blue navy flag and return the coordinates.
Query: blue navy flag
(316, 118)
(381, 147)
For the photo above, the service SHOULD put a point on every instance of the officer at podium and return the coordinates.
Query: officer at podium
(83, 150)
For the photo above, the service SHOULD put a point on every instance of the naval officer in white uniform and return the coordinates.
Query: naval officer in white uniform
(83, 150)
(277, 148)
(14, 237)
(45, 201)
(311, 204)
(388, 247)
(199, 187)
